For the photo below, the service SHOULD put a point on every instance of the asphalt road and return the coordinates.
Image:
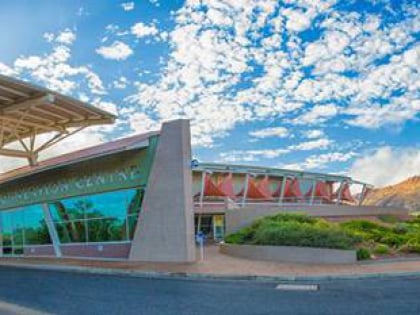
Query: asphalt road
(31, 291)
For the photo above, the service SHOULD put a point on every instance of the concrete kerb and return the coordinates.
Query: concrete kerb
(207, 276)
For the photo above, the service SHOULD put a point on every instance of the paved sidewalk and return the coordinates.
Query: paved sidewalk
(220, 265)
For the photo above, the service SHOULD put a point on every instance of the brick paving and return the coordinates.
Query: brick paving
(220, 264)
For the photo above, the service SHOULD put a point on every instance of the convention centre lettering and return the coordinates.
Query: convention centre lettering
(79, 185)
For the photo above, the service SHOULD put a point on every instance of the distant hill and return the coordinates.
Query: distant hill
(405, 194)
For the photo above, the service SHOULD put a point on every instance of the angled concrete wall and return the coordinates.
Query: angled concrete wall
(165, 229)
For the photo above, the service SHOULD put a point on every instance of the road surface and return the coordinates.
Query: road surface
(51, 292)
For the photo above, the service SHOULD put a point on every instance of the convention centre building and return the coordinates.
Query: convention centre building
(140, 198)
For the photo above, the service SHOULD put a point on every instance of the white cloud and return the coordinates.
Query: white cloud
(321, 161)
(313, 134)
(141, 123)
(54, 70)
(120, 83)
(222, 70)
(251, 155)
(128, 6)
(318, 144)
(116, 51)
(142, 30)
(280, 132)
(387, 166)
(317, 114)
(66, 37)
(6, 70)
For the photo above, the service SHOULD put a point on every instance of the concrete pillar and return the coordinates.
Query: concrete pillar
(165, 228)
(314, 182)
(282, 190)
(203, 178)
(362, 195)
(340, 190)
(245, 190)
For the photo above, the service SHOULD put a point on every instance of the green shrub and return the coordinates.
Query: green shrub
(388, 218)
(294, 217)
(243, 236)
(381, 249)
(295, 231)
(301, 230)
(400, 228)
(364, 226)
(362, 254)
(392, 239)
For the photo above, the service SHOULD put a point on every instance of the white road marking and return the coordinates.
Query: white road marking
(297, 287)
(10, 308)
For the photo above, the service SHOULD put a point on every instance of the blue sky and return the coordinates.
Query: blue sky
(324, 86)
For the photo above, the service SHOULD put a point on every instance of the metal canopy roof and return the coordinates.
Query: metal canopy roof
(27, 111)
(275, 172)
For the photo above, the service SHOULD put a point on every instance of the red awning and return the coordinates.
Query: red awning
(322, 190)
(226, 186)
(254, 192)
(345, 193)
(211, 189)
(291, 189)
(264, 187)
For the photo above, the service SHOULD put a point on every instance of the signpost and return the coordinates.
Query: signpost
(200, 240)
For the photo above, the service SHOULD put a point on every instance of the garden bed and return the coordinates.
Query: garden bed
(388, 238)
(305, 255)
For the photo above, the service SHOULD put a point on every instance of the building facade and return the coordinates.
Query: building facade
(109, 201)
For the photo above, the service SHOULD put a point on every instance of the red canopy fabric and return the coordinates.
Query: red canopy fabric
(294, 189)
(264, 187)
(211, 189)
(226, 186)
(345, 193)
(291, 189)
(254, 192)
(277, 192)
(322, 190)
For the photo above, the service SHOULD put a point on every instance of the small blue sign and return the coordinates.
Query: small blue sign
(200, 237)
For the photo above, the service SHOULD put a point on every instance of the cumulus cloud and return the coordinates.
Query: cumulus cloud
(313, 134)
(142, 30)
(57, 71)
(128, 6)
(320, 161)
(6, 70)
(116, 51)
(221, 62)
(318, 144)
(280, 132)
(317, 114)
(387, 165)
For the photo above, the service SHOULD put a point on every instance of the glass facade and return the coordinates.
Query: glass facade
(105, 217)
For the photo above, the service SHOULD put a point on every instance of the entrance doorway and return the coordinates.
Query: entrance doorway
(212, 225)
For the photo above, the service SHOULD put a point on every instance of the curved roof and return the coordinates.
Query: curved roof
(27, 110)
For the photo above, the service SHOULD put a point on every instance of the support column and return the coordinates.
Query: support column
(340, 189)
(282, 190)
(203, 177)
(51, 230)
(165, 227)
(362, 195)
(245, 189)
(313, 191)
